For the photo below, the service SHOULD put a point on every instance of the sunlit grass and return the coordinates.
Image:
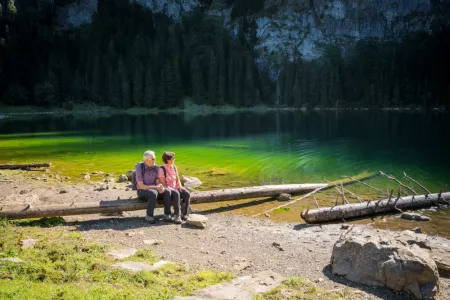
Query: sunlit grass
(300, 288)
(64, 266)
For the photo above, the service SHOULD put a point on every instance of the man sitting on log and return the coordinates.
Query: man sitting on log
(149, 188)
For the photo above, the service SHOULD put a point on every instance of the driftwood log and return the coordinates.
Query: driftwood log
(24, 166)
(79, 208)
(348, 211)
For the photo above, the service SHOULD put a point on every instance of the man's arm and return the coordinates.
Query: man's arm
(140, 181)
(142, 186)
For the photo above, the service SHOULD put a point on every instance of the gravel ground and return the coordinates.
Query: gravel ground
(236, 244)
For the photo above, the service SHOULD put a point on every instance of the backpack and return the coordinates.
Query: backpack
(165, 172)
(133, 175)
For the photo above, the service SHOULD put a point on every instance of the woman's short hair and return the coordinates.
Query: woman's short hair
(167, 156)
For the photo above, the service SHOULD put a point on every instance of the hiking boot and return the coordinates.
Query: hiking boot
(184, 217)
(168, 218)
(150, 220)
(177, 220)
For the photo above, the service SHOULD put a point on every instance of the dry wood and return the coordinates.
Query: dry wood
(416, 182)
(367, 185)
(399, 182)
(293, 201)
(370, 208)
(24, 166)
(315, 200)
(340, 191)
(77, 208)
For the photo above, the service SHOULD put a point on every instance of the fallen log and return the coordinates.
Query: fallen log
(24, 166)
(79, 208)
(348, 211)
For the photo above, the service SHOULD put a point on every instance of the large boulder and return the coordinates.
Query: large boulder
(190, 182)
(381, 258)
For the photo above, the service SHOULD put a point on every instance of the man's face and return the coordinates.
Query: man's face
(150, 160)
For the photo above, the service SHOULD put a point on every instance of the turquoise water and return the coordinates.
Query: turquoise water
(244, 148)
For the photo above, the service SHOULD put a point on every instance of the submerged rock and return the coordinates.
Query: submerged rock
(414, 217)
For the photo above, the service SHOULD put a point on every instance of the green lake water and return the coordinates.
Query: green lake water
(244, 149)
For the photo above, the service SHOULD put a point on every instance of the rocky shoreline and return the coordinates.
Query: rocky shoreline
(237, 244)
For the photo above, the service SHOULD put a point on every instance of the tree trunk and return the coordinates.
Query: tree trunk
(373, 207)
(31, 211)
(24, 166)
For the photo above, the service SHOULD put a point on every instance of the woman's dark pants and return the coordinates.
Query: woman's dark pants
(175, 196)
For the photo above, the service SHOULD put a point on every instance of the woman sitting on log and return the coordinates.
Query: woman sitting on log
(168, 176)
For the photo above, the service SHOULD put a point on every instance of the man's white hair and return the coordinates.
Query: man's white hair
(149, 153)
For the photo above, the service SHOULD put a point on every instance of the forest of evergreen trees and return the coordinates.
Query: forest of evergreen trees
(130, 57)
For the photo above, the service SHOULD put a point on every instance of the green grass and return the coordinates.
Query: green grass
(301, 288)
(282, 209)
(63, 265)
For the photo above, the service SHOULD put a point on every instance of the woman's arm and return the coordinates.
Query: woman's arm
(161, 178)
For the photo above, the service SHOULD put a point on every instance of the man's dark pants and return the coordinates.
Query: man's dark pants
(150, 196)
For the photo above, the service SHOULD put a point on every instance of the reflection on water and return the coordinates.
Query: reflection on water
(245, 148)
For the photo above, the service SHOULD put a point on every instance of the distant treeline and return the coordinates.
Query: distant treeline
(130, 56)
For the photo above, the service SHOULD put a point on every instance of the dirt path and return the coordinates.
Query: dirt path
(236, 244)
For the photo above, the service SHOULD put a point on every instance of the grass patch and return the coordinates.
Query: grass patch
(300, 288)
(282, 209)
(43, 222)
(63, 265)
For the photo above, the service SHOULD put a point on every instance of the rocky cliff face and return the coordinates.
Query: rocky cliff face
(306, 25)
(285, 27)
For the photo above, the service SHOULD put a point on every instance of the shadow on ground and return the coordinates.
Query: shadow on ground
(120, 224)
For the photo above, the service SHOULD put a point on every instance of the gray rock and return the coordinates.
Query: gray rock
(383, 259)
(87, 177)
(190, 182)
(197, 221)
(241, 266)
(28, 243)
(417, 230)
(122, 178)
(129, 175)
(123, 253)
(441, 258)
(414, 217)
(11, 259)
(284, 197)
(139, 266)
(97, 173)
(242, 288)
(152, 242)
(344, 226)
